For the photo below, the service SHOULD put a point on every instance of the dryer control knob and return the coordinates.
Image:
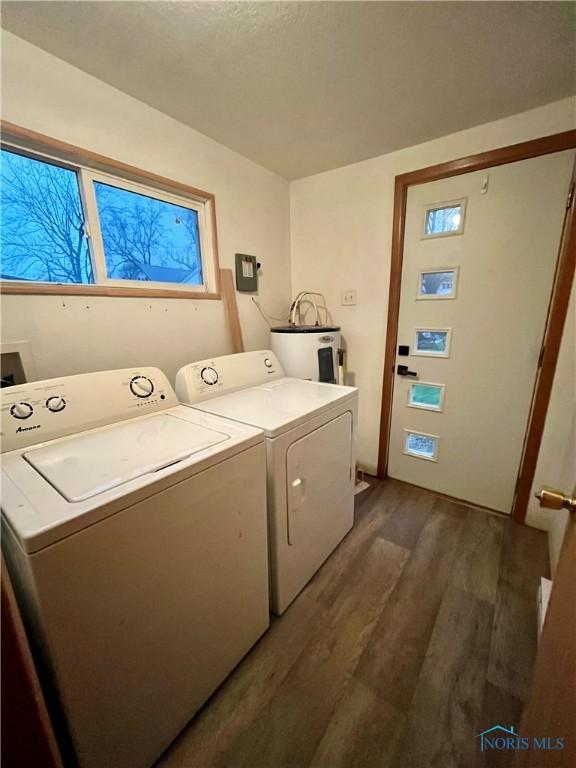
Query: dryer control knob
(141, 386)
(209, 375)
(55, 403)
(21, 410)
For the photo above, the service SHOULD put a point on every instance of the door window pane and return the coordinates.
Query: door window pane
(427, 396)
(43, 237)
(435, 342)
(440, 220)
(437, 284)
(148, 239)
(445, 218)
(421, 445)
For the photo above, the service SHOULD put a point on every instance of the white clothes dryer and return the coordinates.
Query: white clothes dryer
(310, 430)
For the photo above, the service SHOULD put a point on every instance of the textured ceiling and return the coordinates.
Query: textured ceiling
(302, 87)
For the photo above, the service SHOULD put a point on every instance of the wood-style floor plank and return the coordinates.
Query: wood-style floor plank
(418, 632)
(446, 710)
(363, 732)
(405, 525)
(392, 661)
(478, 561)
(524, 561)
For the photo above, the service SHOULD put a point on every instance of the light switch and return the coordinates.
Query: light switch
(348, 297)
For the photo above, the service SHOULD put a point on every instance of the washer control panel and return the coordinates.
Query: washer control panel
(44, 410)
(221, 375)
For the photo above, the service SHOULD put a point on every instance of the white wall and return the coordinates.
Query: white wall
(341, 224)
(76, 334)
(557, 457)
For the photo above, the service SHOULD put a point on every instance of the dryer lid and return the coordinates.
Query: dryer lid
(278, 405)
(85, 466)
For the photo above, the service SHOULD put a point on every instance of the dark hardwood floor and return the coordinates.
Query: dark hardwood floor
(418, 633)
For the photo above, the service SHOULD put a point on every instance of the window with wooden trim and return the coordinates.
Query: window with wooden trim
(75, 227)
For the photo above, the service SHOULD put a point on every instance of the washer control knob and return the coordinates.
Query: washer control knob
(55, 403)
(267, 362)
(141, 386)
(21, 410)
(209, 376)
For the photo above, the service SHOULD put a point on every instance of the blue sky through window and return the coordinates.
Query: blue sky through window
(148, 239)
(42, 223)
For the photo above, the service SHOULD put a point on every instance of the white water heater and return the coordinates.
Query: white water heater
(308, 351)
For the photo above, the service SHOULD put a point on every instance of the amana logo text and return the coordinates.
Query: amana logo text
(28, 429)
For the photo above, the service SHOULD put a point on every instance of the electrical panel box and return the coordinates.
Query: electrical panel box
(246, 273)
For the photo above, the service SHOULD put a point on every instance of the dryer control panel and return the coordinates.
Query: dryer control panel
(221, 375)
(44, 410)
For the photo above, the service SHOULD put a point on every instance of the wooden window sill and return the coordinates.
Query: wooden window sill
(57, 289)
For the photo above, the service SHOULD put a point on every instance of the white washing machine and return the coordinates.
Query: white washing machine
(310, 429)
(135, 531)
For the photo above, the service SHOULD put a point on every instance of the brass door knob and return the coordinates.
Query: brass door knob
(553, 499)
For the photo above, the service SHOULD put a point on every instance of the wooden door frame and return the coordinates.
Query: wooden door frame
(27, 734)
(556, 313)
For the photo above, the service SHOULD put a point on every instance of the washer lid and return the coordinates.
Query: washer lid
(85, 466)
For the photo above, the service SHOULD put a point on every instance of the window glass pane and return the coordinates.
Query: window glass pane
(434, 342)
(42, 223)
(437, 283)
(424, 446)
(426, 396)
(440, 220)
(148, 239)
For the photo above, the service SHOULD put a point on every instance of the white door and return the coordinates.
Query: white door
(480, 252)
